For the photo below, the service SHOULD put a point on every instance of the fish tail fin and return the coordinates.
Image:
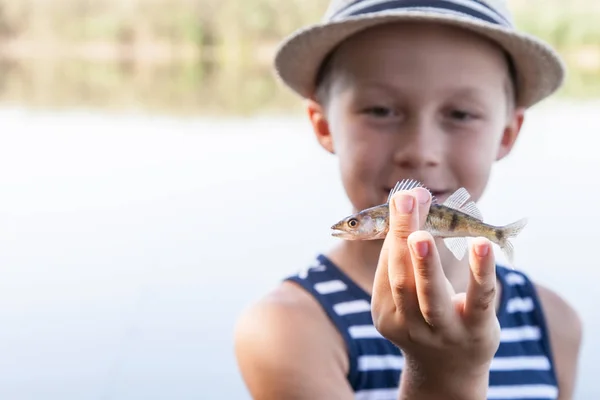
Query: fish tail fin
(503, 235)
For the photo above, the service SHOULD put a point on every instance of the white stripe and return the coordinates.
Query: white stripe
(519, 304)
(466, 3)
(351, 307)
(522, 392)
(514, 279)
(330, 287)
(371, 363)
(364, 332)
(520, 334)
(538, 363)
(377, 394)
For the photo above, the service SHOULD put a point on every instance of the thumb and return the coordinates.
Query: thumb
(403, 218)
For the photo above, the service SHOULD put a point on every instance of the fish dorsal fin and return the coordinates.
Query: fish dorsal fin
(471, 209)
(408, 184)
(459, 201)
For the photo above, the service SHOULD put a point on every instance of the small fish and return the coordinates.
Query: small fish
(454, 220)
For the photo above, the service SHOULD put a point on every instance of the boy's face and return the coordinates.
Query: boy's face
(416, 101)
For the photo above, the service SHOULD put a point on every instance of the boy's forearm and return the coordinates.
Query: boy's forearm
(415, 385)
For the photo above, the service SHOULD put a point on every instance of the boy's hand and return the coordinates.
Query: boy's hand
(448, 339)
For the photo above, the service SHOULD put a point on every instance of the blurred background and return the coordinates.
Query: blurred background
(155, 180)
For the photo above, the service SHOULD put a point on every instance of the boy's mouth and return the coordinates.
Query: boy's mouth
(440, 195)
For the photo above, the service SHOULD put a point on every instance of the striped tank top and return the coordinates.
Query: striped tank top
(522, 367)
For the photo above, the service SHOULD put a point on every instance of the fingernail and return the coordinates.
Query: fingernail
(421, 248)
(404, 203)
(423, 196)
(482, 249)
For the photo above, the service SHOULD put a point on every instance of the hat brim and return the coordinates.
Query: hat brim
(539, 69)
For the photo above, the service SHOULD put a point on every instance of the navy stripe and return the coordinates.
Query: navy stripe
(379, 380)
(439, 4)
(363, 318)
(525, 348)
(502, 378)
(377, 348)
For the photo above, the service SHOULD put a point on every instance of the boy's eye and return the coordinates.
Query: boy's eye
(461, 115)
(379, 111)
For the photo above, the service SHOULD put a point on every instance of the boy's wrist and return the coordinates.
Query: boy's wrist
(422, 383)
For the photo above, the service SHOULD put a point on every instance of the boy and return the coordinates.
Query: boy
(432, 90)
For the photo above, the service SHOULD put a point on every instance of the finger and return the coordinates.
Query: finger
(481, 291)
(434, 299)
(423, 197)
(382, 302)
(404, 219)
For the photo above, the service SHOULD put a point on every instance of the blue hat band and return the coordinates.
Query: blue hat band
(471, 8)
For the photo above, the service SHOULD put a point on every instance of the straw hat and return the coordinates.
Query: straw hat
(539, 69)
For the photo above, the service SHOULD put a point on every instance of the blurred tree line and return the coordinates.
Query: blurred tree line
(191, 56)
(235, 28)
(209, 28)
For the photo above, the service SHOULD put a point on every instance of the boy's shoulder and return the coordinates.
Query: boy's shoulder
(286, 306)
(565, 331)
(284, 342)
(556, 308)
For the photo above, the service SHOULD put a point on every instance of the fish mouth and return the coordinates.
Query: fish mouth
(343, 235)
(339, 233)
(336, 231)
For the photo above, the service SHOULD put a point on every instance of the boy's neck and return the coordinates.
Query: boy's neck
(358, 259)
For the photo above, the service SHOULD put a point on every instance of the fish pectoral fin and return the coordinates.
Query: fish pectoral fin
(459, 200)
(408, 184)
(457, 245)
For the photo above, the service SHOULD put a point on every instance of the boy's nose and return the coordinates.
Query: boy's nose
(420, 147)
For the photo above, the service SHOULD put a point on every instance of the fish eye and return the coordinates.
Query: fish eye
(352, 223)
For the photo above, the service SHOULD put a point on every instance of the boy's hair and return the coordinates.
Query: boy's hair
(303, 59)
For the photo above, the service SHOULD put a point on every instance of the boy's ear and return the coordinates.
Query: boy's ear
(320, 125)
(511, 133)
